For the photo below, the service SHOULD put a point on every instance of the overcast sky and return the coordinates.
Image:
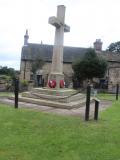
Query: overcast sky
(88, 19)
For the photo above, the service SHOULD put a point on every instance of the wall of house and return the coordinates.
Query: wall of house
(113, 73)
(67, 70)
(25, 71)
(68, 73)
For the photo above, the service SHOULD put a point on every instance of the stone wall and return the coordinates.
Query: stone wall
(113, 73)
(68, 73)
(25, 71)
(67, 70)
(113, 76)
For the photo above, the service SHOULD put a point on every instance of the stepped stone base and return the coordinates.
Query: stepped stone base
(62, 98)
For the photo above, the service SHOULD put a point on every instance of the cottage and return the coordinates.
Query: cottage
(31, 52)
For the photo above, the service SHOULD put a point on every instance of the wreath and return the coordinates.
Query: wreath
(62, 83)
(52, 83)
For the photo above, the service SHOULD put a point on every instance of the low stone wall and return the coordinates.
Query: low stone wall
(2, 85)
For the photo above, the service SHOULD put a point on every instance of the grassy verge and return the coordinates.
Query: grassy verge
(7, 94)
(28, 135)
(104, 96)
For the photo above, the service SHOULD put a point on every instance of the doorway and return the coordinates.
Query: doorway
(39, 80)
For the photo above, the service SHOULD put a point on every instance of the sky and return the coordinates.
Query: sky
(88, 20)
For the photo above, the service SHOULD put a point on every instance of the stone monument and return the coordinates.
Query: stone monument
(56, 95)
(57, 59)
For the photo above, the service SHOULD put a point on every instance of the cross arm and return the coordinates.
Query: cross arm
(66, 28)
(54, 21)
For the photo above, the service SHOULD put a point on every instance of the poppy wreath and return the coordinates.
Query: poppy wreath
(62, 83)
(52, 83)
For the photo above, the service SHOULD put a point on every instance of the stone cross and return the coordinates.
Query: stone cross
(57, 59)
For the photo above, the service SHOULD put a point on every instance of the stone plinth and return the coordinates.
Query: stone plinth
(55, 92)
(62, 98)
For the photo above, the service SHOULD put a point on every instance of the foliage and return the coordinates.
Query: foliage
(24, 83)
(23, 86)
(30, 135)
(7, 81)
(114, 47)
(7, 71)
(37, 64)
(106, 96)
(5, 78)
(91, 66)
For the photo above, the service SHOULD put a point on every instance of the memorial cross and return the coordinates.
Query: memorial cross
(57, 59)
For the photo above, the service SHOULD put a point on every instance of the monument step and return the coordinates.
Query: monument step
(70, 105)
(56, 92)
(78, 96)
(62, 99)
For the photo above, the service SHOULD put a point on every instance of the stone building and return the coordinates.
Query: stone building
(30, 52)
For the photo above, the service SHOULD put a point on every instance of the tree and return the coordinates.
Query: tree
(7, 71)
(91, 66)
(114, 47)
(7, 75)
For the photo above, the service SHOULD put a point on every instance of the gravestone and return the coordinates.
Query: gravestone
(57, 59)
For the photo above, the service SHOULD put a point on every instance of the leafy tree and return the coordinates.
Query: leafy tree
(114, 47)
(7, 71)
(7, 75)
(90, 66)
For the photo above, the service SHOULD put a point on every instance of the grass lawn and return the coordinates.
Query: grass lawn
(31, 135)
(107, 96)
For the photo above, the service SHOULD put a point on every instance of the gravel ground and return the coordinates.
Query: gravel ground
(69, 112)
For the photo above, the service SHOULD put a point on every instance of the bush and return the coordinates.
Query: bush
(24, 85)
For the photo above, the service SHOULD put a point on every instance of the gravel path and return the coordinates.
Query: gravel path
(69, 112)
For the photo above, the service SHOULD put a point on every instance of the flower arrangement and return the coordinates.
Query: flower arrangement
(62, 83)
(52, 83)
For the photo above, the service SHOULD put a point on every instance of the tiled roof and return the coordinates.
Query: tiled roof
(44, 51)
(32, 51)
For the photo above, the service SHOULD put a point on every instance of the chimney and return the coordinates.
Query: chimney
(98, 45)
(26, 37)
